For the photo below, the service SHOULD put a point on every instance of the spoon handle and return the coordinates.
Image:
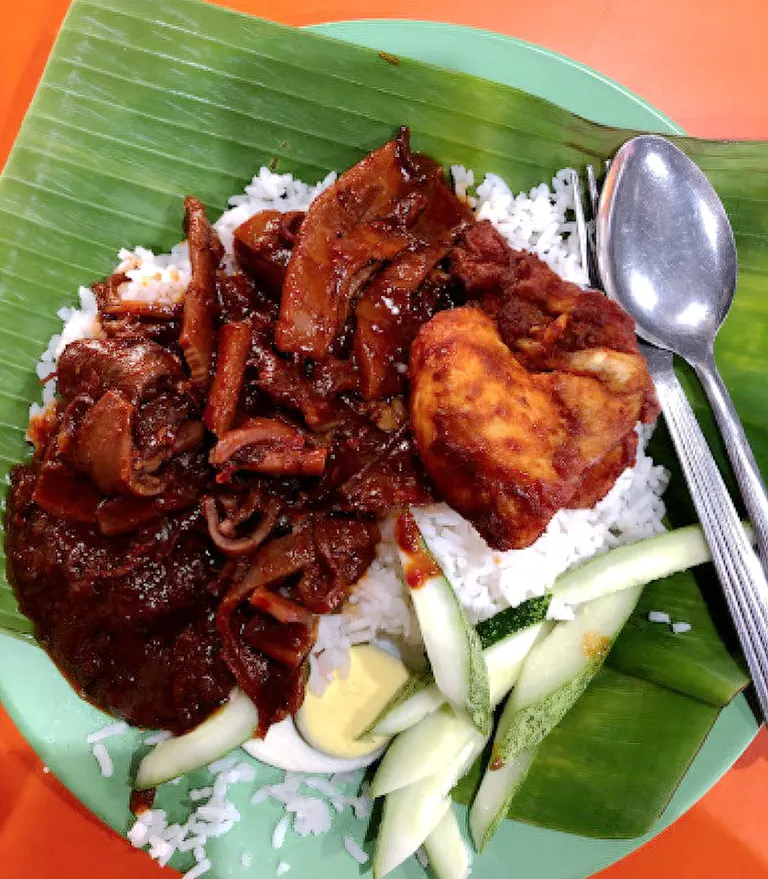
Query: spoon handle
(745, 467)
(738, 568)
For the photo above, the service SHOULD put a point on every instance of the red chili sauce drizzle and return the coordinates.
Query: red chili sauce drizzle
(142, 800)
(420, 566)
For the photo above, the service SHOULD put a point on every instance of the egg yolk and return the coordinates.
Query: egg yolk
(332, 722)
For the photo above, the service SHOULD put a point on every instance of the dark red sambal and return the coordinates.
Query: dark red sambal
(210, 477)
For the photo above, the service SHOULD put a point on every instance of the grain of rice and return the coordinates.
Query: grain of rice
(362, 805)
(342, 778)
(681, 627)
(138, 834)
(281, 831)
(559, 610)
(311, 816)
(354, 849)
(658, 616)
(114, 729)
(242, 772)
(282, 868)
(260, 796)
(222, 765)
(200, 793)
(101, 754)
(160, 850)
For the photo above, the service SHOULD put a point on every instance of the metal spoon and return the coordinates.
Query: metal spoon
(665, 252)
(667, 255)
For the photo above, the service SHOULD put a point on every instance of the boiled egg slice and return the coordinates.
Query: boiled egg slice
(332, 723)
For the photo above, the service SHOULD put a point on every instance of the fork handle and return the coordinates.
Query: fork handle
(745, 467)
(739, 570)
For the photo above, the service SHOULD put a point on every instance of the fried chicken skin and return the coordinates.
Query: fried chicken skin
(525, 402)
(487, 431)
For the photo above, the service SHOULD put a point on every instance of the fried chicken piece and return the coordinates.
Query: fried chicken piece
(507, 446)
(488, 432)
(556, 327)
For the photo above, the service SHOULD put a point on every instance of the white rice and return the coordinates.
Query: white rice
(680, 627)
(658, 616)
(163, 278)
(282, 868)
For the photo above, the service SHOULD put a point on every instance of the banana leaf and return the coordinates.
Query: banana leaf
(624, 734)
(145, 100)
(566, 786)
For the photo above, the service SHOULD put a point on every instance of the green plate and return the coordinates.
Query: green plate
(56, 722)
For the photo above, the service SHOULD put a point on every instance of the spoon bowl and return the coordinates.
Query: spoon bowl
(665, 247)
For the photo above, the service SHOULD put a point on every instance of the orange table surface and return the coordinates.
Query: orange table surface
(705, 64)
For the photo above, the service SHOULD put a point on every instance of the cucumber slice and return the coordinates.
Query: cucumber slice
(448, 853)
(635, 565)
(407, 820)
(452, 645)
(284, 748)
(439, 740)
(507, 638)
(495, 795)
(505, 658)
(227, 728)
(558, 671)
(409, 706)
(412, 813)
(512, 620)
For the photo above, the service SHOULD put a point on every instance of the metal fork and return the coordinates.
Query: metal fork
(736, 563)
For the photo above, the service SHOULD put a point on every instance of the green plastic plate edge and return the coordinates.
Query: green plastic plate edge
(56, 723)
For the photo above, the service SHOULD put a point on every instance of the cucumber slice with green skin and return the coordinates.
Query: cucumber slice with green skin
(452, 645)
(557, 672)
(441, 739)
(495, 795)
(448, 853)
(622, 568)
(227, 728)
(411, 813)
(506, 658)
(512, 620)
(507, 639)
(636, 564)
